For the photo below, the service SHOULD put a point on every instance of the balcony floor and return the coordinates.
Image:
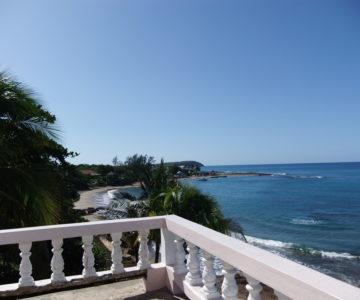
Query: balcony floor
(124, 290)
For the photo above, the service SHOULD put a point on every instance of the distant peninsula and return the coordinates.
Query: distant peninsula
(186, 164)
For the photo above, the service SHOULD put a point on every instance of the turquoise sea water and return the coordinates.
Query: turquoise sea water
(309, 213)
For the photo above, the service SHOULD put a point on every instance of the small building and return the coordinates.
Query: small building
(89, 172)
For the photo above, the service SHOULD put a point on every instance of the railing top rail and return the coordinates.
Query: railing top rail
(285, 276)
(43, 233)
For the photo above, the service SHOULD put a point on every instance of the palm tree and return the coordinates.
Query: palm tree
(29, 185)
(165, 196)
(141, 167)
(187, 202)
(190, 203)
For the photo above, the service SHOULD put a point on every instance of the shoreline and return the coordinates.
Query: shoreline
(325, 260)
(86, 199)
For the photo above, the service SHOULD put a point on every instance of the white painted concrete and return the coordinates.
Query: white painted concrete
(288, 278)
(44, 233)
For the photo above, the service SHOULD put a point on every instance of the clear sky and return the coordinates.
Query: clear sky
(221, 82)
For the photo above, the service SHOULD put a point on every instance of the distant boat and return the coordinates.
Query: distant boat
(202, 179)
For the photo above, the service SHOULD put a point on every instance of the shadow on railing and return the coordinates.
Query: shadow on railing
(179, 271)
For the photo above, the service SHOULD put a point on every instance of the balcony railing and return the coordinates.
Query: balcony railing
(176, 271)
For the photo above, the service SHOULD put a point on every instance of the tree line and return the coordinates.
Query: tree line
(127, 172)
(38, 186)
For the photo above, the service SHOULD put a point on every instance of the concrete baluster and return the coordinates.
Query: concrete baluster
(193, 265)
(25, 266)
(209, 289)
(229, 286)
(167, 247)
(57, 262)
(254, 288)
(88, 257)
(180, 267)
(143, 262)
(116, 254)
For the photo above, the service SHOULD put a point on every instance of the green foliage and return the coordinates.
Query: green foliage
(31, 187)
(162, 180)
(108, 175)
(190, 203)
(141, 166)
(101, 256)
(174, 169)
(166, 196)
(116, 162)
(37, 185)
(72, 254)
(96, 181)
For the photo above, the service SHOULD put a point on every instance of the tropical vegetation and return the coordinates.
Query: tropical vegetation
(166, 196)
(38, 186)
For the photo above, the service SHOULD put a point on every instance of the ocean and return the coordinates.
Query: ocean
(309, 213)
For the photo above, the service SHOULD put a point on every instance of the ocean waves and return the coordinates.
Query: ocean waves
(292, 176)
(103, 199)
(114, 204)
(341, 265)
(285, 248)
(301, 221)
(310, 213)
(278, 174)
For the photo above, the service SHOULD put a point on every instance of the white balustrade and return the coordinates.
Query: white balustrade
(57, 262)
(209, 277)
(179, 267)
(193, 265)
(229, 286)
(116, 254)
(88, 257)
(254, 288)
(25, 266)
(143, 262)
(289, 279)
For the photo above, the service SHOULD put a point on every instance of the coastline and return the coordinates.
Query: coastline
(87, 197)
(300, 236)
(307, 213)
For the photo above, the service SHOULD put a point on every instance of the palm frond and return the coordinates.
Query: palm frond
(37, 125)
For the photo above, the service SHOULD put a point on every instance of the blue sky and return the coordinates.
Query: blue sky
(221, 82)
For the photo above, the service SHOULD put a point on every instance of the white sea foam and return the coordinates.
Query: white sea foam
(105, 198)
(277, 246)
(337, 255)
(305, 177)
(111, 194)
(102, 200)
(301, 221)
(268, 243)
(298, 176)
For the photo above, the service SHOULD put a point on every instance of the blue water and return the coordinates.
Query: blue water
(309, 213)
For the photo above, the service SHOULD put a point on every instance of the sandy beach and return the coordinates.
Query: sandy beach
(87, 197)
